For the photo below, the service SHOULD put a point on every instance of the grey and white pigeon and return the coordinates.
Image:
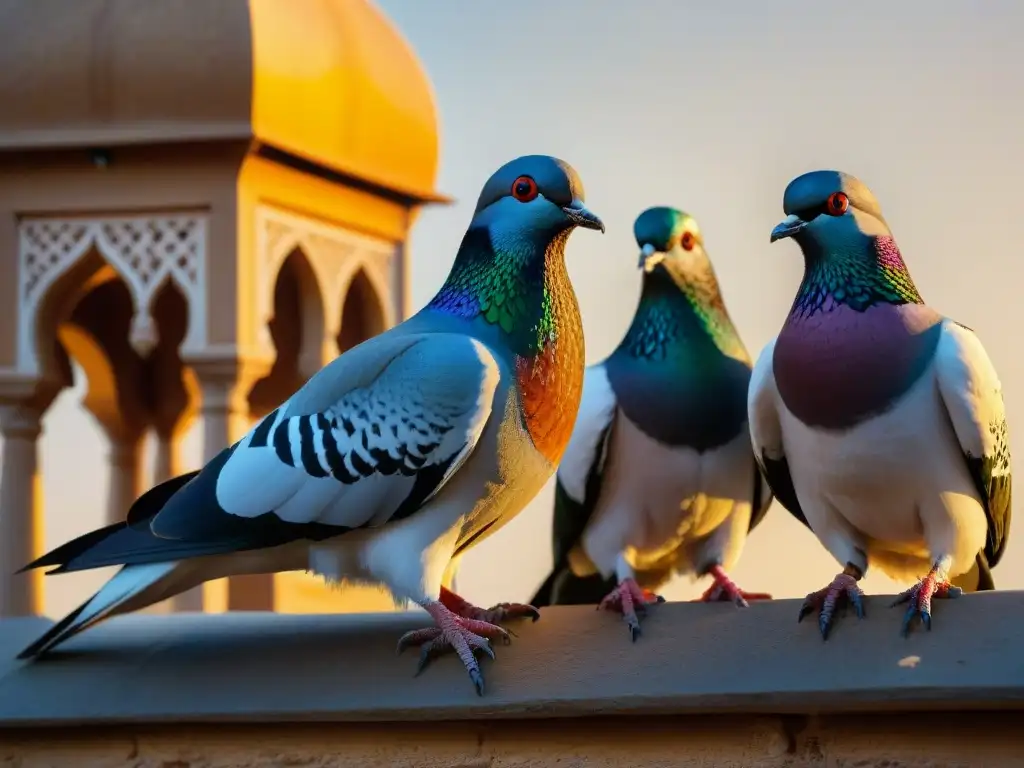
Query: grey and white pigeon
(659, 477)
(398, 455)
(878, 422)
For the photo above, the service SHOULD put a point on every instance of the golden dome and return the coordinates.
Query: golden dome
(330, 81)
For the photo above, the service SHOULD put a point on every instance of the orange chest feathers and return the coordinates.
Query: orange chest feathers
(551, 385)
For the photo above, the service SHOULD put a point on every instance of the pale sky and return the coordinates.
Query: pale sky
(711, 108)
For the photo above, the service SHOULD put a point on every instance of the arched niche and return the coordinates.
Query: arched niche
(362, 315)
(87, 312)
(97, 326)
(59, 301)
(297, 331)
(60, 260)
(90, 309)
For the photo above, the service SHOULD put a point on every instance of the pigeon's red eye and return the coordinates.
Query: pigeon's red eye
(524, 189)
(837, 204)
(687, 241)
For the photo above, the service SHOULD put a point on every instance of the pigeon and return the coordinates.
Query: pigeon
(878, 422)
(398, 455)
(659, 477)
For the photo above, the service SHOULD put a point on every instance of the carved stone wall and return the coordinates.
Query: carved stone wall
(335, 254)
(64, 260)
(145, 250)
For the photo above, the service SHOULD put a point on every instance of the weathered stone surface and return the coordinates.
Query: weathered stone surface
(706, 685)
(857, 741)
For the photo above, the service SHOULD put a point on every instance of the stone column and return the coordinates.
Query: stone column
(126, 483)
(21, 511)
(167, 463)
(225, 386)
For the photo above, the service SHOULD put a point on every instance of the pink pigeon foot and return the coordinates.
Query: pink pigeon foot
(843, 589)
(454, 633)
(935, 584)
(496, 614)
(628, 598)
(724, 589)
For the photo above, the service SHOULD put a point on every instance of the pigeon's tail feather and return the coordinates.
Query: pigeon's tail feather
(63, 629)
(74, 548)
(978, 578)
(134, 546)
(563, 587)
(985, 581)
(133, 587)
(131, 536)
(542, 598)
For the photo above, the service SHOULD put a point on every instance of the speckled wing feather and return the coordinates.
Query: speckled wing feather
(766, 435)
(349, 457)
(972, 394)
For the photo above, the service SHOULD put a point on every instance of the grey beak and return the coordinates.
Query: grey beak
(788, 227)
(582, 216)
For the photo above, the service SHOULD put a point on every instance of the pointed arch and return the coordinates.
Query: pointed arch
(362, 313)
(299, 311)
(117, 396)
(145, 251)
(296, 329)
(337, 254)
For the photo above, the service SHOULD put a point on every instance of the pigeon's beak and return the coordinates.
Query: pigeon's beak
(788, 227)
(581, 216)
(650, 257)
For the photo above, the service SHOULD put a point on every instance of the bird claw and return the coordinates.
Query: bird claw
(414, 637)
(496, 614)
(502, 612)
(725, 590)
(486, 629)
(920, 597)
(478, 680)
(843, 589)
(454, 633)
(628, 598)
(633, 623)
(431, 649)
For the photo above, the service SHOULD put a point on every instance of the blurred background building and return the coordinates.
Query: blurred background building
(201, 203)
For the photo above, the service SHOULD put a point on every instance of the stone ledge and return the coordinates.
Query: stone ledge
(574, 662)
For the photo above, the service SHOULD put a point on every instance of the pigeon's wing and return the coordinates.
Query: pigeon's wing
(762, 497)
(766, 435)
(578, 481)
(367, 440)
(144, 509)
(364, 456)
(132, 533)
(973, 397)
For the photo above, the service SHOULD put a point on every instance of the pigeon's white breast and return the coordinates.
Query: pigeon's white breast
(654, 498)
(898, 479)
